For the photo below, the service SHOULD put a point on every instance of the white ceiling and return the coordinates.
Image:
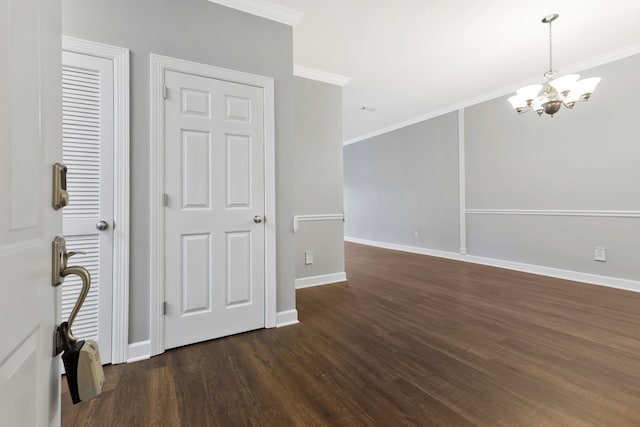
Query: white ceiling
(415, 58)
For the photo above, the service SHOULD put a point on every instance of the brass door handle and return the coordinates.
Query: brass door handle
(64, 338)
(86, 284)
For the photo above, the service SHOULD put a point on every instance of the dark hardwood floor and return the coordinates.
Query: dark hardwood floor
(409, 340)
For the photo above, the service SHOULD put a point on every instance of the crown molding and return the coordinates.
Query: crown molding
(319, 75)
(596, 61)
(265, 10)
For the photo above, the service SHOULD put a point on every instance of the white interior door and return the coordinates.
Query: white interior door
(214, 180)
(29, 145)
(87, 140)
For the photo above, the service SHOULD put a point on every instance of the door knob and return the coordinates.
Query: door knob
(257, 219)
(102, 225)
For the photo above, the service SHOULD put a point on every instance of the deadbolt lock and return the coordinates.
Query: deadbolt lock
(60, 196)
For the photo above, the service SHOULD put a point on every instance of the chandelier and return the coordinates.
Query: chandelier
(556, 92)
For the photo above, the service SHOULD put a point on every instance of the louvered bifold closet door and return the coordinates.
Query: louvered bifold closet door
(87, 140)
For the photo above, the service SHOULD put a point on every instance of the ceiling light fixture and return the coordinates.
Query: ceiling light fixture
(556, 92)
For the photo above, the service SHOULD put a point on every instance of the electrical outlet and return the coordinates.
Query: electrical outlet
(308, 257)
(600, 254)
(416, 234)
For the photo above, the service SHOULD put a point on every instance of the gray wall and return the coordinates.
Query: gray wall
(200, 31)
(584, 159)
(405, 182)
(318, 185)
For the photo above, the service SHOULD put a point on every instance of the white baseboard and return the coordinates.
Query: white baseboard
(592, 279)
(286, 318)
(324, 279)
(141, 350)
(405, 248)
(138, 351)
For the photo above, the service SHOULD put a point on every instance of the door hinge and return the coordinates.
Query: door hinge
(165, 199)
(165, 92)
(164, 308)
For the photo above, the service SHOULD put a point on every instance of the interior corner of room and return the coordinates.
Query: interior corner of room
(485, 185)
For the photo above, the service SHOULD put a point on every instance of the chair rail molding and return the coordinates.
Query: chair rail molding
(556, 212)
(320, 217)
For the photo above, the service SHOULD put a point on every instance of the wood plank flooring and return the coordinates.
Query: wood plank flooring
(408, 340)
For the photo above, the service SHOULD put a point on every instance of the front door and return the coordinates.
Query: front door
(30, 42)
(214, 253)
(87, 144)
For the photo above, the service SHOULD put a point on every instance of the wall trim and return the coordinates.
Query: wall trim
(573, 68)
(265, 9)
(556, 212)
(286, 318)
(319, 75)
(323, 279)
(297, 219)
(462, 192)
(592, 279)
(158, 66)
(138, 351)
(406, 248)
(119, 56)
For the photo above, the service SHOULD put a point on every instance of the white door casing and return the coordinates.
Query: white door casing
(29, 145)
(214, 181)
(118, 57)
(160, 66)
(87, 151)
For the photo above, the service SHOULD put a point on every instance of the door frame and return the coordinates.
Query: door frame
(158, 66)
(119, 56)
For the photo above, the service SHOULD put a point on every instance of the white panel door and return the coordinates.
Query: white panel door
(214, 252)
(29, 145)
(87, 141)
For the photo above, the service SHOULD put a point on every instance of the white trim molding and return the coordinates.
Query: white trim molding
(119, 56)
(286, 318)
(158, 66)
(265, 9)
(592, 279)
(576, 67)
(556, 212)
(319, 75)
(462, 189)
(406, 248)
(322, 217)
(323, 279)
(138, 351)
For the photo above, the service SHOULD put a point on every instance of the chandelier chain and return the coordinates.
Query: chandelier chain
(550, 50)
